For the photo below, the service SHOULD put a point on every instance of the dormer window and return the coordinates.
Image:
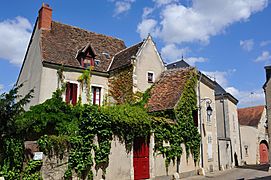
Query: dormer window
(150, 77)
(86, 56)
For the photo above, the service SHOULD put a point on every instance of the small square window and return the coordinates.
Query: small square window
(150, 77)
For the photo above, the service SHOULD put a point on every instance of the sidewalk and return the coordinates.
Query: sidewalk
(243, 172)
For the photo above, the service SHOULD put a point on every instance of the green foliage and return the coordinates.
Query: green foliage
(10, 109)
(86, 130)
(183, 131)
(121, 86)
(32, 171)
(53, 145)
(84, 79)
(51, 117)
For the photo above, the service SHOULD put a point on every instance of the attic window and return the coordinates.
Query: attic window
(106, 55)
(150, 77)
(97, 62)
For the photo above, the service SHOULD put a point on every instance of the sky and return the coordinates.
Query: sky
(229, 40)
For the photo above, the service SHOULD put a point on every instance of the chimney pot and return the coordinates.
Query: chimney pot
(45, 17)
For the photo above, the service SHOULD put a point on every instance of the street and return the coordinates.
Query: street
(244, 172)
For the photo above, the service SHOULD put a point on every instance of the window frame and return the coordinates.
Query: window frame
(71, 93)
(153, 77)
(93, 96)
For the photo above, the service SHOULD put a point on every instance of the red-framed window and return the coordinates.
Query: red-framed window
(96, 95)
(71, 93)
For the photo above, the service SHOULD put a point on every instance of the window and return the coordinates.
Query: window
(96, 95)
(246, 150)
(150, 77)
(87, 62)
(71, 93)
(195, 117)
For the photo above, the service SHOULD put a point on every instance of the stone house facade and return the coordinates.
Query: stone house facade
(207, 124)
(254, 134)
(58, 52)
(228, 129)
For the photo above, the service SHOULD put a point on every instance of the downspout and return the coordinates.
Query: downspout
(224, 116)
(218, 154)
(200, 122)
(231, 152)
(241, 153)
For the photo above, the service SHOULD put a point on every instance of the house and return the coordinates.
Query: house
(228, 129)
(267, 92)
(57, 48)
(207, 123)
(254, 134)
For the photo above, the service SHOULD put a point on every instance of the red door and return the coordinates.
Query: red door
(263, 153)
(141, 159)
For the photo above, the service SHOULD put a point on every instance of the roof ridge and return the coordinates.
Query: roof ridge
(252, 107)
(75, 27)
(121, 52)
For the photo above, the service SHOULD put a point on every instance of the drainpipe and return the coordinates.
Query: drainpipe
(240, 142)
(218, 154)
(200, 122)
(224, 115)
(231, 152)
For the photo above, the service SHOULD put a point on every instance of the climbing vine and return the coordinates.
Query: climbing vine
(85, 132)
(85, 79)
(121, 86)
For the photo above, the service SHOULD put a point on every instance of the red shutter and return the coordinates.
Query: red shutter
(68, 92)
(74, 94)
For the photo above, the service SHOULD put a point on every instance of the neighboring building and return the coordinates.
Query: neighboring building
(267, 92)
(228, 129)
(254, 135)
(207, 124)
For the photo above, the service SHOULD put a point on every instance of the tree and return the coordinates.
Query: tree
(11, 106)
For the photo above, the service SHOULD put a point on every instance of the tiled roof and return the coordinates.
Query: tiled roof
(167, 91)
(123, 58)
(61, 44)
(250, 116)
(178, 64)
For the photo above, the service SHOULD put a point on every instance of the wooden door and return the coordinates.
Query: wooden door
(263, 153)
(141, 159)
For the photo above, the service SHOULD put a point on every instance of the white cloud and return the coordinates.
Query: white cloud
(146, 27)
(147, 11)
(219, 76)
(178, 23)
(122, 6)
(164, 2)
(247, 98)
(1, 87)
(171, 52)
(193, 60)
(265, 56)
(15, 35)
(265, 43)
(247, 45)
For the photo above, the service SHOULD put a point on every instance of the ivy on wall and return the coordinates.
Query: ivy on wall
(121, 86)
(85, 132)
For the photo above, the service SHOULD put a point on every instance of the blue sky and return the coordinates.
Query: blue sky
(229, 40)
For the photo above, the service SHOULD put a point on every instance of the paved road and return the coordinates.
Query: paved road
(258, 172)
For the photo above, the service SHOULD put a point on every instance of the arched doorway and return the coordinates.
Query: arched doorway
(263, 152)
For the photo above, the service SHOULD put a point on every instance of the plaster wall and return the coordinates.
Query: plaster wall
(148, 60)
(208, 129)
(31, 70)
(249, 136)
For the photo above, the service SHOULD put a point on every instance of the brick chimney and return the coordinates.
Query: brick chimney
(45, 17)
